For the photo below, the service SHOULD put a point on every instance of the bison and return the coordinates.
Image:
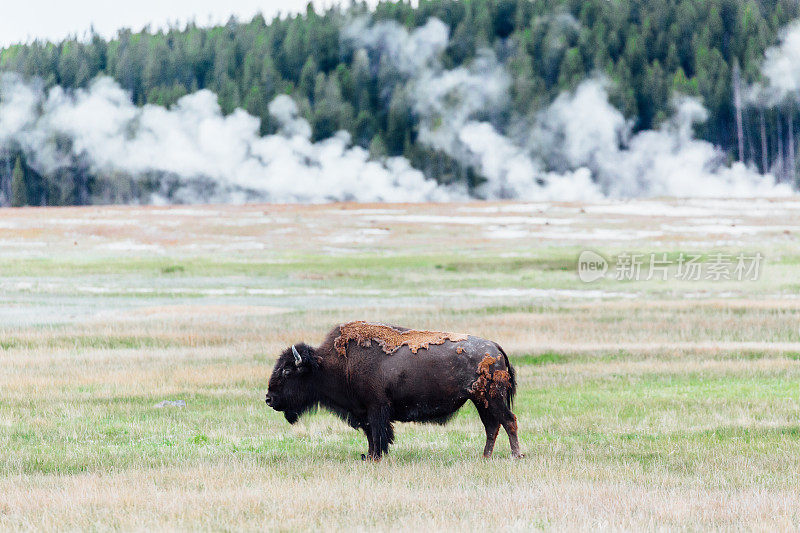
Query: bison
(372, 375)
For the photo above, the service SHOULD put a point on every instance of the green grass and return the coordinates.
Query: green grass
(688, 418)
(676, 408)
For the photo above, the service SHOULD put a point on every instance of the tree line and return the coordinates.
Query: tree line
(648, 49)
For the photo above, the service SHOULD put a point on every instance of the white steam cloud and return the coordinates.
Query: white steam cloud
(579, 148)
(195, 143)
(583, 130)
(781, 70)
(409, 53)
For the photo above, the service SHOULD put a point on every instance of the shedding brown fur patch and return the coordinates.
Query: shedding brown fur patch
(512, 426)
(459, 350)
(502, 377)
(390, 339)
(489, 384)
(485, 366)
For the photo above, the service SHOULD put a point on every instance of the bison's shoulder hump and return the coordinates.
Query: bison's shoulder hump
(390, 338)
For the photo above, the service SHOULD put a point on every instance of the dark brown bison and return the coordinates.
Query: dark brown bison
(373, 374)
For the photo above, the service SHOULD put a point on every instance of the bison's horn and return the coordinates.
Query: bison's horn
(297, 358)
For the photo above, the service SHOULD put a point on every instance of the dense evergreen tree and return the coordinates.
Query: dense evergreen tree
(649, 50)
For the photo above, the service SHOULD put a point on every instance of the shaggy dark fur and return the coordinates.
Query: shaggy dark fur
(371, 389)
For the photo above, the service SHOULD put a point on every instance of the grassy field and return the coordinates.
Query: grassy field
(642, 404)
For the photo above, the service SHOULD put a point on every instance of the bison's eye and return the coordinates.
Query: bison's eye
(286, 371)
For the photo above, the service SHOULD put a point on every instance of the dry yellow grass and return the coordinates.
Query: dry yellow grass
(470, 496)
(641, 405)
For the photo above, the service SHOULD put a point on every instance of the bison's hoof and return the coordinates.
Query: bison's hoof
(363, 457)
(519, 456)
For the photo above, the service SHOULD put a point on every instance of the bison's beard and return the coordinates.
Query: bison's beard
(293, 413)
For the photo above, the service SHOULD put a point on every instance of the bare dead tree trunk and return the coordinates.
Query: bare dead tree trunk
(748, 139)
(5, 181)
(781, 161)
(764, 155)
(790, 137)
(737, 103)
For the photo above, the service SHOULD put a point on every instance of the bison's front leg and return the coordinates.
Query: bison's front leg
(380, 427)
(370, 442)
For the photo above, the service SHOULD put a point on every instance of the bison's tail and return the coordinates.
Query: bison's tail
(513, 390)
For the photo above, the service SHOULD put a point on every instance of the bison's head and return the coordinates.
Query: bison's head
(290, 387)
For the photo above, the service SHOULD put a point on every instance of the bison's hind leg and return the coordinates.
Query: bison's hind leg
(494, 412)
(492, 426)
(509, 422)
(499, 406)
(491, 392)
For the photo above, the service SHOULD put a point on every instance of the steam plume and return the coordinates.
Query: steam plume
(781, 70)
(212, 157)
(580, 147)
